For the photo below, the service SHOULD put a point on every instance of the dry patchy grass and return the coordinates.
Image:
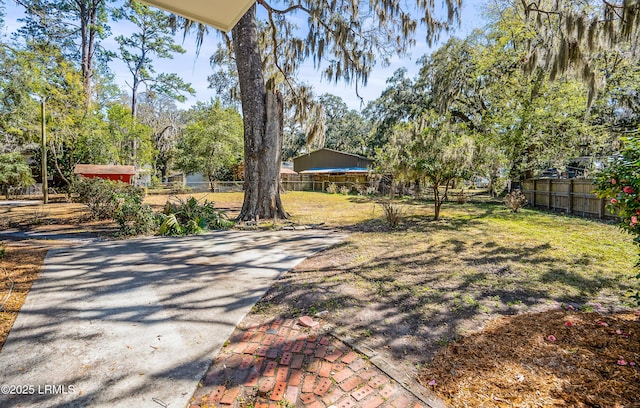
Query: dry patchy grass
(332, 210)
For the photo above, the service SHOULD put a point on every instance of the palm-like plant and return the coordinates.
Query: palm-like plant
(191, 216)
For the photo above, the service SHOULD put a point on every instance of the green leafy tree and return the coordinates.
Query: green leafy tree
(153, 39)
(344, 129)
(400, 101)
(537, 122)
(75, 26)
(618, 104)
(130, 140)
(14, 173)
(74, 133)
(570, 35)
(161, 114)
(17, 109)
(432, 149)
(211, 142)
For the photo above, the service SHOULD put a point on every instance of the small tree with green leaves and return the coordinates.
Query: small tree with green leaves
(14, 173)
(212, 142)
(433, 149)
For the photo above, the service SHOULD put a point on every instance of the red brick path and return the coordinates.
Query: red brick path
(279, 362)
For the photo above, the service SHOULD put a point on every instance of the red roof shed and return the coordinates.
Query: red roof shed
(109, 172)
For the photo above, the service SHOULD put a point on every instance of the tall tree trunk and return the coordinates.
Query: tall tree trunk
(263, 119)
(88, 16)
(436, 202)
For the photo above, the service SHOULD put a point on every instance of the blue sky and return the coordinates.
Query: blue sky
(195, 69)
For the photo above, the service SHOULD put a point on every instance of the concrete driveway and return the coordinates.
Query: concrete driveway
(136, 323)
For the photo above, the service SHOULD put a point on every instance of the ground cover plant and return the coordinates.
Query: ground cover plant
(191, 216)
(426, 293)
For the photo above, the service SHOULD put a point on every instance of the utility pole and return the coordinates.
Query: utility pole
(45, 183)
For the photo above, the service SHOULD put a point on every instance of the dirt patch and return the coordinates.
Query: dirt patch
(558, 358)
(54, 218)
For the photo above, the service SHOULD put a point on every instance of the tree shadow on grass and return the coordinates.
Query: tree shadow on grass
(404, 299)
(420, 219)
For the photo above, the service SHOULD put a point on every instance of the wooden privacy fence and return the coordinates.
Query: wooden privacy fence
(571, 196)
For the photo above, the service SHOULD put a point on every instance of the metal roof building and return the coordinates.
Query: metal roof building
(329, 161)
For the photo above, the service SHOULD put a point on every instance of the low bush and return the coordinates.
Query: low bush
(392, 213)
(619, 182)
(133, 217)
(104, 197)
(107, 199)
(332, 188)
(515, 200)
(344, 190)
(191, 216)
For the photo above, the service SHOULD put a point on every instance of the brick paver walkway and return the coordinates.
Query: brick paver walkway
(282, 364)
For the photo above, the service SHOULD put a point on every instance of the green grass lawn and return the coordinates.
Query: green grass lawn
(407, 291)
(477, 260)
(477, 254)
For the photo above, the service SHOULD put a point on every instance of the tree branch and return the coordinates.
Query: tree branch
(275, 52)
(289, 9)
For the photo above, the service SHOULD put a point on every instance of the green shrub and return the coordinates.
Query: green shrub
(107, 199)
(133, 217)
(103, 197)
(619, 182)
(192, 217)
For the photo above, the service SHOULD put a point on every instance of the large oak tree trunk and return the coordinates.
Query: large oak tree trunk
(262, 116)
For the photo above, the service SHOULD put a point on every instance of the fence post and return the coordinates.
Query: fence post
(549, 194)
(601, 208)
(570, 197)
(535, 188)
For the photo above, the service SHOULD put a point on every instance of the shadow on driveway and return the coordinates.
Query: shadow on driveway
(138, 322)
